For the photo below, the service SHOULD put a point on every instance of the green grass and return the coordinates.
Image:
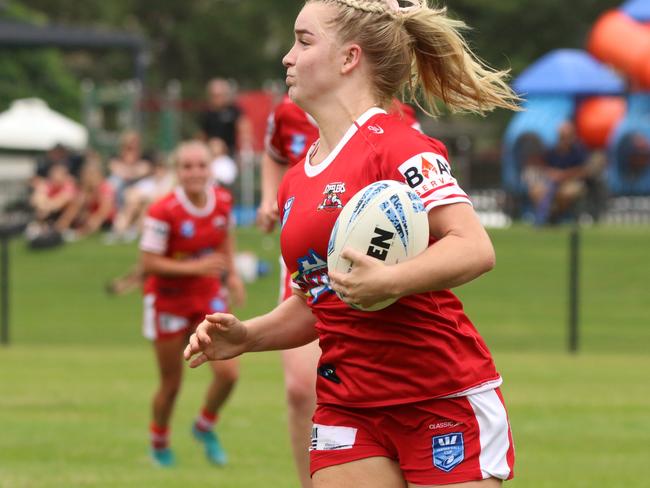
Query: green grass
(75, 384)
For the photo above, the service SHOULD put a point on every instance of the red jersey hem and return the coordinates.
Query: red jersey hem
(403, 401)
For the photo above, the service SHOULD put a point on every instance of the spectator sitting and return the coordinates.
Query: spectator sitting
(128, 166)
(57, 154)
(50, 198)
(638, 157)
(128, 221)
(559, 178)
(93, 205)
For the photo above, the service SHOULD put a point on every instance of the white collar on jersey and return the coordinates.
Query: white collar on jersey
(192, 209)
(317, 169)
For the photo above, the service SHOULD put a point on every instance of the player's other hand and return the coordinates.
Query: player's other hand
(214, 264)
(267, 215)
(368, 282)
(219, 336)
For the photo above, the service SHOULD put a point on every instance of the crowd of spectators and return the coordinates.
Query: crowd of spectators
(75, 195)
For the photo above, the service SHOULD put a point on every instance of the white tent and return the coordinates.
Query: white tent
(31, 125)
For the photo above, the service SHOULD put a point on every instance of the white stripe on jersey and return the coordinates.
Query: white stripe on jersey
(493, 427)
(429, 204)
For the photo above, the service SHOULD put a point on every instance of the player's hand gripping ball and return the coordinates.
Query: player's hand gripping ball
(385, 220)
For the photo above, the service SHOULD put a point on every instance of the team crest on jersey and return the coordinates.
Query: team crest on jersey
(425, 172)
(332, 199)
(448, 451)
(218, 304)
(187, 229)
(287, 210)
(298, 143)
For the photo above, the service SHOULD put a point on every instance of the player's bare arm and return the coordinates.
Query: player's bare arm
(210, 265)
(462, 252)
(272, 173)
(223, 336)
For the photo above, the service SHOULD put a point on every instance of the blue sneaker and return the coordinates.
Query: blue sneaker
(213, 450)
(163, 458)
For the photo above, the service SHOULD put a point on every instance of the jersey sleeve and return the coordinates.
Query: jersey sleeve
(423, 166)
(155, 231)
(272, 141)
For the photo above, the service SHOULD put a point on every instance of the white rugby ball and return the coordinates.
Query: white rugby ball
(385, 220)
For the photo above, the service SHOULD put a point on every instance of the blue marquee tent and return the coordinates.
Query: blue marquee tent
(568, 72)
(639, 10)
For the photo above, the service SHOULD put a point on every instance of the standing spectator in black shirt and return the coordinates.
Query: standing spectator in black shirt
(224, 120)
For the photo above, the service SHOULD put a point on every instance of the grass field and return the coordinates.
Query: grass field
(76, 381)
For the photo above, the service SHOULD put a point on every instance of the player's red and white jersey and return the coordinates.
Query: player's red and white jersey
(175, 228)
(423, 346)
(290, 132)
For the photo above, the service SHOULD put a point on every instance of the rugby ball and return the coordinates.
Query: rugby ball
(385, 220)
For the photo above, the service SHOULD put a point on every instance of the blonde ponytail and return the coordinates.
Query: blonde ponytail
(445, 68)
(420, 52)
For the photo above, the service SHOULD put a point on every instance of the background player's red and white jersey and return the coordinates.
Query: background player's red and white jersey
(175, 228)
(290, 132)
(421, 347)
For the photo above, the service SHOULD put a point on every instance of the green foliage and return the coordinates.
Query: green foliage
(41, 73)
(195, 40)
(192, 40)
(514, 33)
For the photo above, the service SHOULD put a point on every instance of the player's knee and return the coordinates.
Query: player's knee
(300, 395)
(228, 376)
(169, 390)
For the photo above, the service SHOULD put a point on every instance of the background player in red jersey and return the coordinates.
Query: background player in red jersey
(408, 395)
(290, 133)
(187, 248)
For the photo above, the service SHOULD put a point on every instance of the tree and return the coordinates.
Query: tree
(38, 73)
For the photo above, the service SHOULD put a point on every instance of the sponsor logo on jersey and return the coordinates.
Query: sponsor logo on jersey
(425, 172)
(311, 276)
(286, 210)
(376, 129)
(169, 323)
(448, 451)
(332, 199)
(328, 371)
(444, 424)
(156, 226)
(298, 143)
(187, 229)
(332, 437)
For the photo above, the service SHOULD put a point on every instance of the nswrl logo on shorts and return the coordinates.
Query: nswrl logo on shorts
(448, 451)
